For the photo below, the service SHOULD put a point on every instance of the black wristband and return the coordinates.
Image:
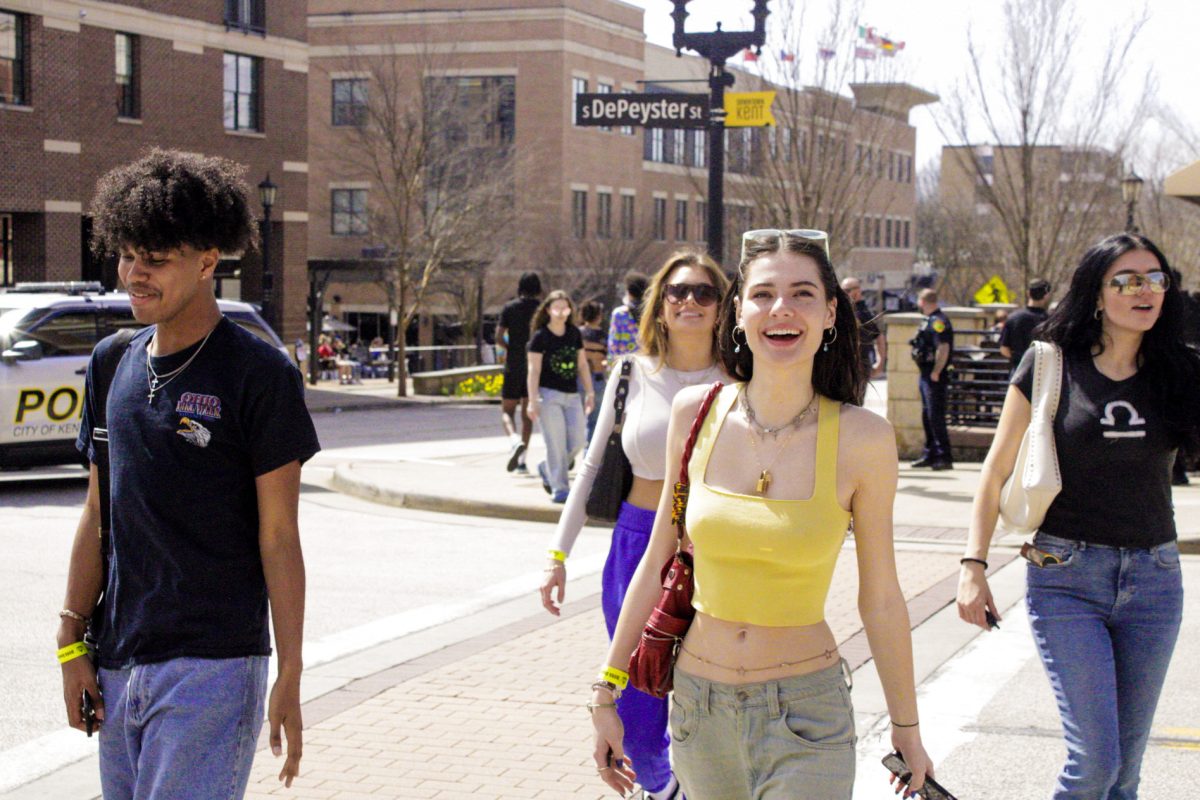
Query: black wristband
(898, 725)
(973, 561)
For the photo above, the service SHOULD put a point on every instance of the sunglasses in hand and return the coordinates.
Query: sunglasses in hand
(1131, 283)
(705, 294)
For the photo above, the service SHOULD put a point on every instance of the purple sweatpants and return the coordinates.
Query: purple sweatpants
(644, 717)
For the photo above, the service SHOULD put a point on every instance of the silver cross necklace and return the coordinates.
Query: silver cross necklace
(157, 381)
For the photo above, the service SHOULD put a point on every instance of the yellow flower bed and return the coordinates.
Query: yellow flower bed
(476, 385)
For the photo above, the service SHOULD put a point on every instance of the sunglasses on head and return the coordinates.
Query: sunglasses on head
(808, 234)
(705, 294)
(1132, 282)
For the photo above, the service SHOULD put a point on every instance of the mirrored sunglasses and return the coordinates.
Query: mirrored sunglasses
(1131, 283)
(809, 234)
(704, 294)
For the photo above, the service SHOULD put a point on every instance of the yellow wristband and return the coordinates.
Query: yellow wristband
(617, 677)
(558, 555)
(72, 652)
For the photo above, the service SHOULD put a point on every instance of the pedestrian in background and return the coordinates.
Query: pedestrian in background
(1104, 589)
(512, 337)
(594, 349)
(206, 429)
(557, 365)
(302, 355)
(623, 328)
(931, 349)
(761, 703)
(677, 349)
(872, 342)
(1018, 331)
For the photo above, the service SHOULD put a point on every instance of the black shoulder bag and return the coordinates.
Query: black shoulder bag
(615, 476)
(105, 368)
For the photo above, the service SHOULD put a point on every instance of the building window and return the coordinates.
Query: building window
(243, 92)
(655, 144)
(474, 111)
(679, 151)
(681, 211)
(14, 59)
(887, 232)
(660, 218)
(906, 228)
(604, 215)
(628, 220)
(246, 15)
(699, 149)
(579, 213)
(6, 250)
(878, 227)
(891, 166)
(604, 88)
(627, 129)
(578, 86)
(701, 219)
(350, 102)
(349, 212)
(128, 85)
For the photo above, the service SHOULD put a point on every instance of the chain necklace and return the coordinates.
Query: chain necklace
(764, 475)
(763, 430)
(741, 671)
(705, 375)
(157, 381)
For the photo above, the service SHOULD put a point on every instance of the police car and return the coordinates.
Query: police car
(47, 332)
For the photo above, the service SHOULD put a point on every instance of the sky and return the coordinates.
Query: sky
(935, 53)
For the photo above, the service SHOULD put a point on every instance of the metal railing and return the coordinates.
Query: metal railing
(976, 394)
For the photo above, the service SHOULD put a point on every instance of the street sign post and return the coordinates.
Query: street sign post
(656, 110)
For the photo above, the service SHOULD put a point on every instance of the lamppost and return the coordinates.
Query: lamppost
(266, 195)
(1131, 190)
(717, 46)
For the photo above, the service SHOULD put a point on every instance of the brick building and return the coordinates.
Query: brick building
(589, 202)
(88, 85)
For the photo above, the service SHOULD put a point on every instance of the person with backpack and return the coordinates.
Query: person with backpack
(205, 429)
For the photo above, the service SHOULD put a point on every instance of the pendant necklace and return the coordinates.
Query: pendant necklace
(157, 381)
(763, 430)
(764, 475)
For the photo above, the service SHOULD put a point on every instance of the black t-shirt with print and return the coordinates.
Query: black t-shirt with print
(1115, 454)
(186, 574)
(560, 357)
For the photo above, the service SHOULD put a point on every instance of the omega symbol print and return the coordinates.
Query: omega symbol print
(1124, 420)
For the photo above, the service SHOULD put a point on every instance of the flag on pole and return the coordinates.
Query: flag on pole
(749, 55)
(865, 53)
(826, 53)
(784, 55)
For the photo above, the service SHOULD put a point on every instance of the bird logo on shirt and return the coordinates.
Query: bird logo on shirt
(194, 432)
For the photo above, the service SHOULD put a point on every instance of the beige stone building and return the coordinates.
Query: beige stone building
(589, 203)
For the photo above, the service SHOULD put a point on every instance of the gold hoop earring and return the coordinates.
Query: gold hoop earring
(832, 339)
(737, 346)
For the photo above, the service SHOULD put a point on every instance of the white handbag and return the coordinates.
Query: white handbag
(1035, 480)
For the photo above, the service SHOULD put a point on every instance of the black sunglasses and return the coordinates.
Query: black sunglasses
(705, 294)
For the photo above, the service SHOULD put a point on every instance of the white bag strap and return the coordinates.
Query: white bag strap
(1047, 391)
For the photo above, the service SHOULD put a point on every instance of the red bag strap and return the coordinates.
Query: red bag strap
(679, 496)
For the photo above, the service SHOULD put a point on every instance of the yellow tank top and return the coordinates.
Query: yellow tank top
(760, 561)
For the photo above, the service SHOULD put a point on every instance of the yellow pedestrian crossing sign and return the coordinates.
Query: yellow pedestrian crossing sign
(994, 291)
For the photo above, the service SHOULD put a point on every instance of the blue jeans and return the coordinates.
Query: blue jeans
(187, 727)
(563, 431)
(1105, 622)
(598, 381)
(933, 417)
(644, 716)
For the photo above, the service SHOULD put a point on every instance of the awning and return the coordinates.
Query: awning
(1185, 184)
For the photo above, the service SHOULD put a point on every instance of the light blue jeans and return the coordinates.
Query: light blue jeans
(1105, 622)
(563, 431)
(184, 728)
(775, 740)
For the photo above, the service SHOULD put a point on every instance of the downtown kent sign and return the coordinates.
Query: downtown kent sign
(670, 110)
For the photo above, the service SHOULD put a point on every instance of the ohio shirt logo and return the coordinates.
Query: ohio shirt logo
(1123, 427)
(194, 432)
(199, 405)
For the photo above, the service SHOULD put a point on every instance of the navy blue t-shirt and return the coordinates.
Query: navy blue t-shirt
(186, 575)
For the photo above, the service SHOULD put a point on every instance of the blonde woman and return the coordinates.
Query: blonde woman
(677, 349)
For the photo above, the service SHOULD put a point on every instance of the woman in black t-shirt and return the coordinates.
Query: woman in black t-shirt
(1103, 589)
(557, 365)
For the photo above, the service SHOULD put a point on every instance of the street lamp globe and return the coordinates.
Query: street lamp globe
(1131, 187)
(266, 193)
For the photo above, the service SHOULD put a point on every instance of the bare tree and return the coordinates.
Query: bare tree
(953, 239)
(1172, 223)
(438, 152)
(1044, 154)
(594, 268)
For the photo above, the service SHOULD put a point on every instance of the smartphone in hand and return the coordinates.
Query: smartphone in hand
(88, 709)
(932, 790)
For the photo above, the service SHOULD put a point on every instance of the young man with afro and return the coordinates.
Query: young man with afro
(206, 430)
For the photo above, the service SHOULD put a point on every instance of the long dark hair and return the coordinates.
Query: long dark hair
(1173, 368)
(837, 374)
(541, 317)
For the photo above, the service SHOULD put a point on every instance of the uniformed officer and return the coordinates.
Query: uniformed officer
(932, 347)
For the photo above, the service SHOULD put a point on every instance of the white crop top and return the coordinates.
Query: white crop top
(644, 434)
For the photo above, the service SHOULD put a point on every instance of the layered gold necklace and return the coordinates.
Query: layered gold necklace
(756, 429)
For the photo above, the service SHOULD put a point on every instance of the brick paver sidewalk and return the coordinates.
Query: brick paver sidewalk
(501, 715)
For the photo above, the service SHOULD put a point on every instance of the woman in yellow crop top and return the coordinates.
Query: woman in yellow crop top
(783, 462)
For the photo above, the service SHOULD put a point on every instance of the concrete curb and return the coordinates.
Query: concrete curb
(345, 480)
(377, 404)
